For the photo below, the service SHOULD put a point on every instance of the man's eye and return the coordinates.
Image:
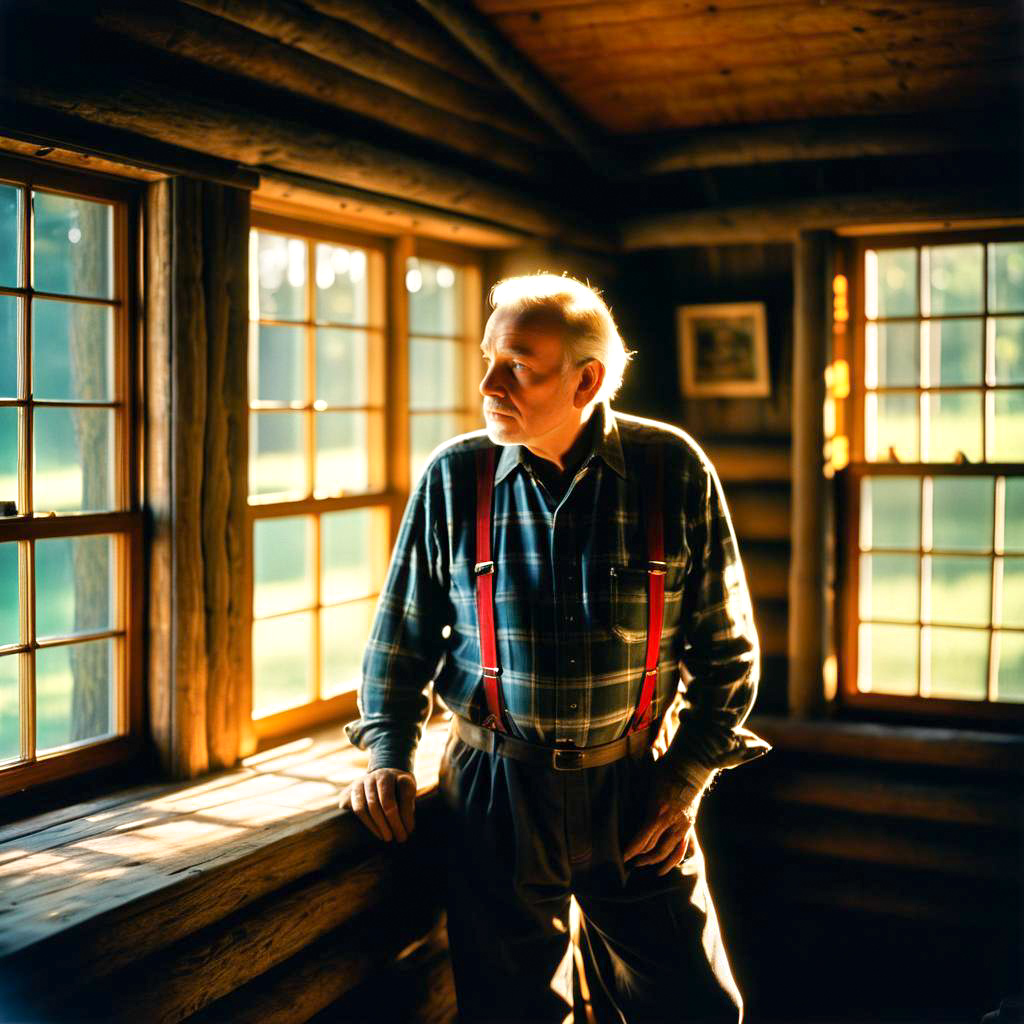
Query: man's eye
(517, 364)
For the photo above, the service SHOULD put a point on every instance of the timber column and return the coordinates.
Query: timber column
(808, 514)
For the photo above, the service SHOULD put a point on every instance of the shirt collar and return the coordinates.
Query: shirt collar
(607, 444)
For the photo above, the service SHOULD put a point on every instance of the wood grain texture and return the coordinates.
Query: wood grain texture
(655, 65)
(222, 44)
(344, 45)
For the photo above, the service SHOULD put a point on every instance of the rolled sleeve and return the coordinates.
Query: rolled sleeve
(406, 644)
(717, 644)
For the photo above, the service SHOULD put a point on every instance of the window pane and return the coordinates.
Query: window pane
(282, 663)
(954, 425)
(889, 587)
(1010, 674)
(959, 663)
(427, 431)
(10, 726)
(1009, 349)
(962, 513)
(10, 603)
(892, 355)
(72, 351)
(1013, 592)
(9, 455)
(349, 545)
(956, 351)
(73, 466)
(435, 297)
(344, 632)
(1013, 523)
(277, 453)
(10, 320)
(890, 512)
(281, 264)
(282, 564)
(348, 452)
(72, 246)
(961, 589)
(435, 374)
(887, 659)
(342, 285)
(346, 370)
(75, 692)
(10, 236)
(1006, 438)
(75, 585)
(955, 275)
(1006, 276)
(278, 367)
(891, 427)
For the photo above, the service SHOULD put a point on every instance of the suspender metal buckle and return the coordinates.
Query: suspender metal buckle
(483, 567)
(491, 673)
(566, 760)
(658, 568)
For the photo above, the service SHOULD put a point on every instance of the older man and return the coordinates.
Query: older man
(585, 564)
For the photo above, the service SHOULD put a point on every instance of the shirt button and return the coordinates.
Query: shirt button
(572, 707)
(572, 661)
(572, 618)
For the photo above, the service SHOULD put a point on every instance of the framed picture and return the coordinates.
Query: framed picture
(723, 350)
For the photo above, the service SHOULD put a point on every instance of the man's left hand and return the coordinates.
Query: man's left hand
(667, 834)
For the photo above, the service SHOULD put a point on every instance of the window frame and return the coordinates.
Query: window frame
(850, 256)
(393, 494)
(127, 200)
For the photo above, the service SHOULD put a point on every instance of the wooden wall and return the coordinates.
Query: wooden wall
(747, 439)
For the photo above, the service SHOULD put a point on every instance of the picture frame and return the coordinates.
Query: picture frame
(723, 350)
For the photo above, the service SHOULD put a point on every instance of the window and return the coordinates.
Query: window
(444, 297)
(935, 502)
(70, 525)
(329, 393)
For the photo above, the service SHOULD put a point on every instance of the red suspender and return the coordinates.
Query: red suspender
(655, 587)
(485, 590)
(484, 570)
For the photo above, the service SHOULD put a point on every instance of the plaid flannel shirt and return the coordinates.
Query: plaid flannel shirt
(570, 597)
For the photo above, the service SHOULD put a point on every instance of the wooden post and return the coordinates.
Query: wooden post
(811, 272)
(197, 439)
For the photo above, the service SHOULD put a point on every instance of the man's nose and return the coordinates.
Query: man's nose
(490, 383)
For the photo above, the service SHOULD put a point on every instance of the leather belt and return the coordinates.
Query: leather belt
(562, 759)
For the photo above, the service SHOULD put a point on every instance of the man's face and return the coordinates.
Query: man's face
(527, 392)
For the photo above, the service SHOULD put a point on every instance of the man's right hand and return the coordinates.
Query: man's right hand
(384, 801)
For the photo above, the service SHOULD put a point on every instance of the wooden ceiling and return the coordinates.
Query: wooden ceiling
(654, 67)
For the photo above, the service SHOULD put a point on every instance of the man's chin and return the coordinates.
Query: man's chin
(502, 429)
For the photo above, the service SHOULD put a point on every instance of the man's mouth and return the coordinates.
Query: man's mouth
(497, 412)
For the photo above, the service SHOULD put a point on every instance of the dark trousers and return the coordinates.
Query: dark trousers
(523, 839)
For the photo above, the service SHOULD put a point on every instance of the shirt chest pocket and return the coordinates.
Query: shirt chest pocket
(627, 602)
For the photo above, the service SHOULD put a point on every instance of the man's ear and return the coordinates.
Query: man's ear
(591, 379)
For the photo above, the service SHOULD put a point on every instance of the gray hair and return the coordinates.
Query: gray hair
(590, 330)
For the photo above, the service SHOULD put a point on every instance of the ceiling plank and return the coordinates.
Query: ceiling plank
(628, 110)
(568, 34)
(480, 37)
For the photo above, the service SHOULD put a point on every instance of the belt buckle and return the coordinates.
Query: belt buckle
(564, 759)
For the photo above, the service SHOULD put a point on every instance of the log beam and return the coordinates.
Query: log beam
(486, 43)
(780, 221)
(252, 137)
(833, 139)
(346, 46)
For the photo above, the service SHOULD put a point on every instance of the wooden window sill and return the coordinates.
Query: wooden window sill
(97, 886)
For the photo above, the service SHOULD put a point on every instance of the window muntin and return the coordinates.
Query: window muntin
(937, 492)
(70, 527)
